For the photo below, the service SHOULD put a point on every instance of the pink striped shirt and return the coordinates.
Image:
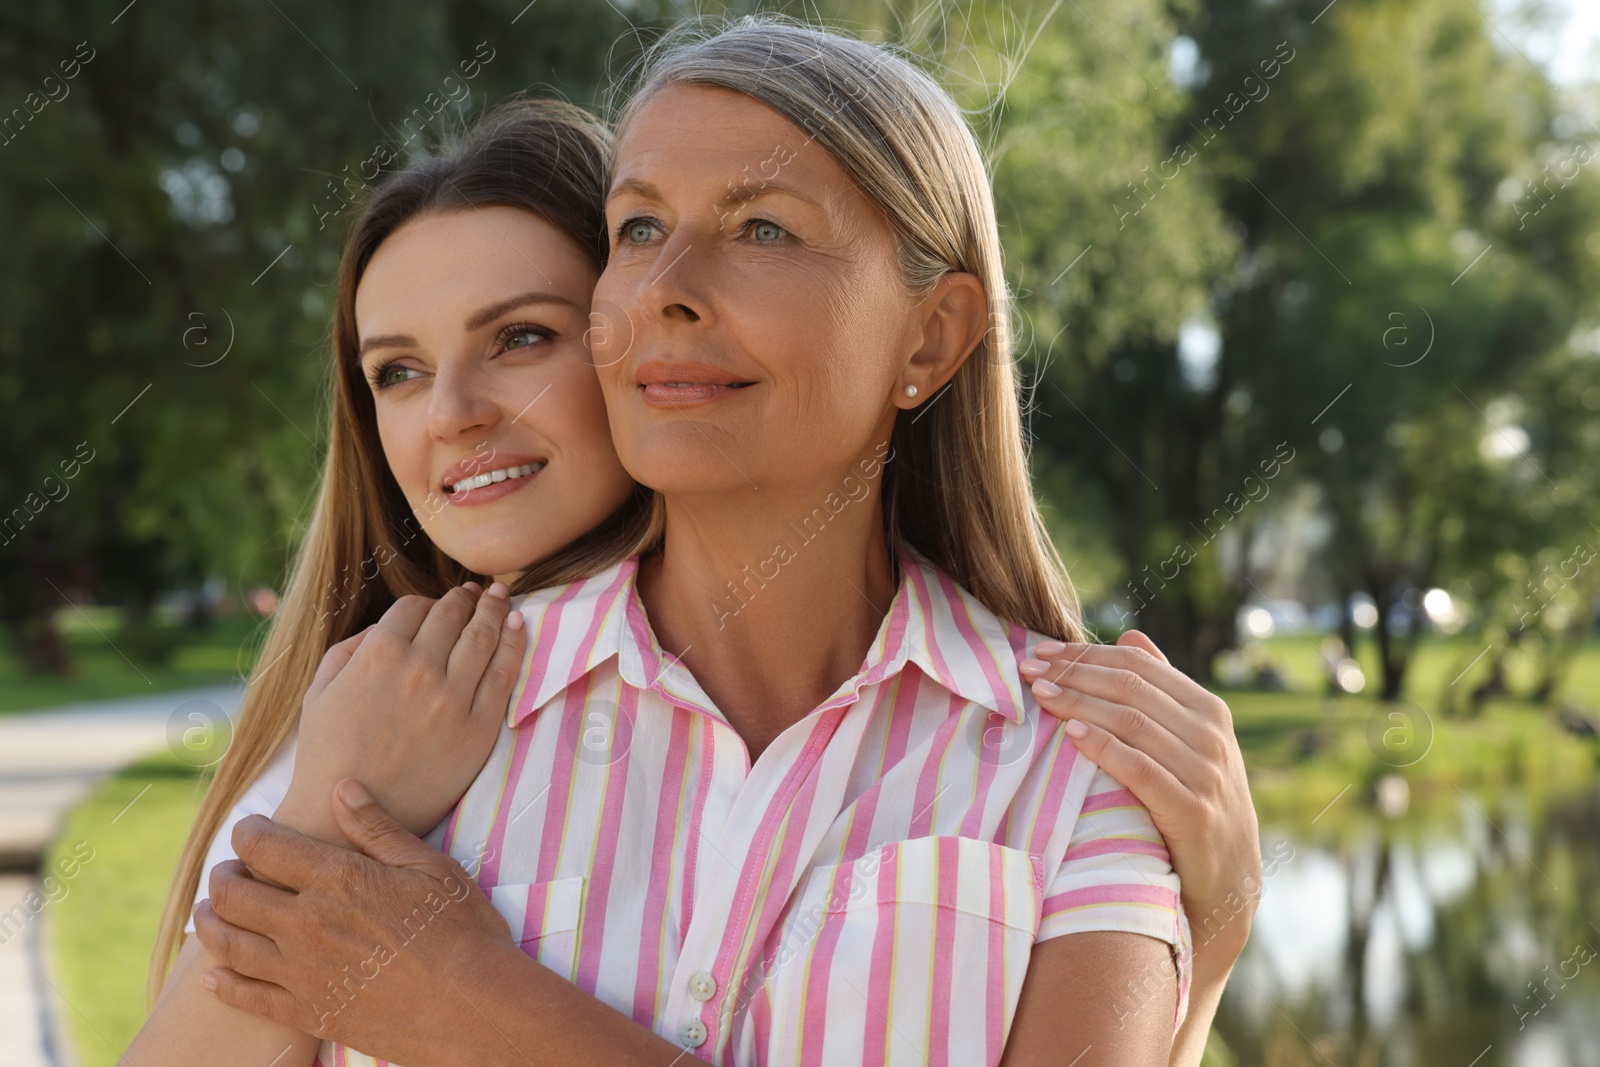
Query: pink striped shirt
(868, 892)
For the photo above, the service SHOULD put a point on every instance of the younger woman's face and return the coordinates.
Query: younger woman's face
(471, 328)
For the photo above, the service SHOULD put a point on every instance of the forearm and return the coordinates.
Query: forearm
(1212, 965)
(188, 1025)
(506, 1008)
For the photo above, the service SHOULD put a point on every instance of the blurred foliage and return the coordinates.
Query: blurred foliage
(172, 226)
(1360, 159)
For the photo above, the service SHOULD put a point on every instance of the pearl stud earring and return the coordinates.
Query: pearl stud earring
(911, 390)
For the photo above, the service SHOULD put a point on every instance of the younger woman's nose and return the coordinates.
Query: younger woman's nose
(461, 405)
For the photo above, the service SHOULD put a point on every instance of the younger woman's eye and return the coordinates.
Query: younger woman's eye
(523, 335)
(764, 231)
(390, 373)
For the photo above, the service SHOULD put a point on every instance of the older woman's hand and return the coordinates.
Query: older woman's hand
(1171, 742)
(358, 949)
(394, 951)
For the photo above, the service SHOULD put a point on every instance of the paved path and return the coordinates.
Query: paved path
(48, 761)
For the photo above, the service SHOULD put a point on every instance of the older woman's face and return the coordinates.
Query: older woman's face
(751, 325)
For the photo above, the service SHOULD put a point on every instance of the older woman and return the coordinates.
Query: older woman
(776, 789)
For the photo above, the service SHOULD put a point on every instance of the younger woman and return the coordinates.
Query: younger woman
(477, 267)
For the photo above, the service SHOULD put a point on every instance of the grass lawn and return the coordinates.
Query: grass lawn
(101, 932)
(1302, 747)
(206, 657)
(1304, 751)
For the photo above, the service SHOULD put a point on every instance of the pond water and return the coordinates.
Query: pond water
(1466, 937)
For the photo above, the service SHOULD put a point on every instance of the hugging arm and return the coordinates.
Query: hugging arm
(189, 1025)
(1171, 742)
(427, 692)
(394, 950)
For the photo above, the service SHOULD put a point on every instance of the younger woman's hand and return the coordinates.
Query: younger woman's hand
(410, 706)
(1171, 742)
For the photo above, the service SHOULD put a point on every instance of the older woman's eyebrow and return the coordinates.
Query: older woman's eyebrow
(637, 186)
(749, 187)
(752, 189)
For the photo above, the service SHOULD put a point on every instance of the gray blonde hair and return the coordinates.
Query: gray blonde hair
(958, 490)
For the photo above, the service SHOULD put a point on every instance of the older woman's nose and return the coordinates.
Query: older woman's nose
(674, 289)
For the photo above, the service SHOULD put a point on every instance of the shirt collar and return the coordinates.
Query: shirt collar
(959, 643)
(932, 622)
(572, 629)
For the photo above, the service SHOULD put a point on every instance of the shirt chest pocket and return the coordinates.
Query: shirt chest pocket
(915, 951)
(544, 918)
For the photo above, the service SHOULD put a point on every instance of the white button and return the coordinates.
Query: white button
(694, 1035)
(702, 986)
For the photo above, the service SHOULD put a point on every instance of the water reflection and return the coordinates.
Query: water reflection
(1461, 937)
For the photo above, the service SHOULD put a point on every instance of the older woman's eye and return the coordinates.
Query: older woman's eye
(764, 231)
(637, 231)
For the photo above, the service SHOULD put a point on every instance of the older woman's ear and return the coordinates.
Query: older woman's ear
(954, 318)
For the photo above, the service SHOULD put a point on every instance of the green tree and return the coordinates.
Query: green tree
(173, 211)
(1361, 156)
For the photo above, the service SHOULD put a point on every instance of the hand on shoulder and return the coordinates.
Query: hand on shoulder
(410, 707)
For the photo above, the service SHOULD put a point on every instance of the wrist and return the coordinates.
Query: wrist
(310, 816)
(1214, 959)
(482, 974)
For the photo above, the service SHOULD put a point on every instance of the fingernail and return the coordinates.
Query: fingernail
(497, 589)
(515, 620)
(474, 586)
(1076, 728)
(1050, 648)
(1033, 666)
(353, 793)
(209, 980)
(1046, 689)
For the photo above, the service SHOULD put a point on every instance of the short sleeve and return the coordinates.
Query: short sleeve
(1117, 875)
(262, 798)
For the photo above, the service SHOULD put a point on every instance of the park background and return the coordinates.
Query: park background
(1310, 324)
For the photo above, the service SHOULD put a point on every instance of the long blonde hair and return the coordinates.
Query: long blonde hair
(958, 490)
(365, 546)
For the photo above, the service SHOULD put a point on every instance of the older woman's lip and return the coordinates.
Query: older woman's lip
(678, 394)
(675, 383)
(684, 371)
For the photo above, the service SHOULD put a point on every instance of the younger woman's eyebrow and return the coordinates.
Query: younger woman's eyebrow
(386, 340)
(479, 319)
(476, 321)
